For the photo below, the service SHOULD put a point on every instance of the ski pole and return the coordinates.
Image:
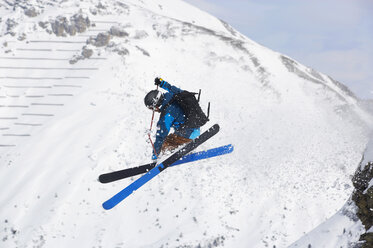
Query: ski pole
(151, 125)
(150, 139)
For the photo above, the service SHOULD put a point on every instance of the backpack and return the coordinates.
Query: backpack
(194, 116)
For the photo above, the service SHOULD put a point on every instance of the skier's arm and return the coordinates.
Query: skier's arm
(170, 88)
(163, 128)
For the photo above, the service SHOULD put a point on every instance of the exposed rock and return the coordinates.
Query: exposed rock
(229, 28)
(118, 31)
(21, 37)
(143, 51)
(100, 6)
(43, 24)
(121, 51)
(87, 53)
(367, 239)
(31, 12)
(343, 87)
(294, 67)
(315, 74)
(123, 5)
(93, 11)
(58, 26)
(102, 39)
(166, 31)
(74, 60)
(363, 198)
(11, 24)
(362, 177)
(76, 24)
(80, 23)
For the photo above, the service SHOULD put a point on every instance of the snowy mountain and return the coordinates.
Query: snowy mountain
(73, 75)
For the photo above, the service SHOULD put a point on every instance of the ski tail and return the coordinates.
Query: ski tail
(118, 175)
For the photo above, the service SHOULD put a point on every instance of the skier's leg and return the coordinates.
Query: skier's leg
(173, 141)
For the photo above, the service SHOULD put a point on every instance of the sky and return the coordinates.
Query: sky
(334, 37)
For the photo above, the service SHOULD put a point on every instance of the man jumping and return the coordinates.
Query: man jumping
(178, 110)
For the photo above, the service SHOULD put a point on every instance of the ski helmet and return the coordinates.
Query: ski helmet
(153, 99)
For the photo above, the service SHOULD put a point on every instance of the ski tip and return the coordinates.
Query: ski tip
(102, 179)
(107, 206)
(230, 148)
(216, 126)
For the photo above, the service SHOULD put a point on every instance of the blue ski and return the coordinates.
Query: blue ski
(129, 172)
(214, 152)
(116, 199)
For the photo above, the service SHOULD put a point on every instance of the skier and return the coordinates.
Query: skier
(179, 110)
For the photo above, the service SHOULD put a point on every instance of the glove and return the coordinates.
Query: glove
(158, 81)
(154, 157)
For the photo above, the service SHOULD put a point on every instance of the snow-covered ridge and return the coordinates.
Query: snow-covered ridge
(73, 75)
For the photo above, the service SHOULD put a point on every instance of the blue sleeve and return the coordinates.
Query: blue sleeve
(170, 88)
(163, 128)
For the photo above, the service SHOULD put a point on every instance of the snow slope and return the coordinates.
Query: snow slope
(345, 227)
(298, 134)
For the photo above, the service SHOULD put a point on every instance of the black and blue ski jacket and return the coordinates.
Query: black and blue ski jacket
(172, 117)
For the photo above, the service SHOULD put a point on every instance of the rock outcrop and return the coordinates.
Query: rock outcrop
(62, 26)
(363, 196)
